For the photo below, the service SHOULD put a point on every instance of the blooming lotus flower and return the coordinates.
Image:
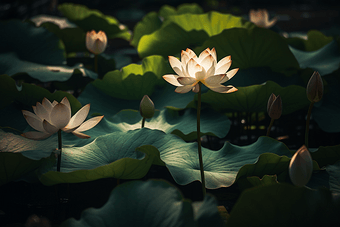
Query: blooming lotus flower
(261, 18)
(192, 69)
(49, 117)
(315, 87)
(96, 42)
(301, 167)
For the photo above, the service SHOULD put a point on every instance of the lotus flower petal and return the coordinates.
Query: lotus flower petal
(221, 69)
(229, 75)
(60, 115)
(36, 135)
(203, 55)
(184, 89)
(49, 128)
(66, 103)
(213, 53)
(190, 53)
(89, 124)
(35, 122)
(41, 112)
(196, 88)
(200, 75)
(214, 81)
(186, 80)
(81, 135)
(47, 105)
(207, 62)
(224, 89)
(78, 118)
(176, 65)
(172, 79)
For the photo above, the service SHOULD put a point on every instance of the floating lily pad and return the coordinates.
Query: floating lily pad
(326, 155)
(315, 41)
(334, 177)
(41, 56)
(285, 205)
(89, 19)
(324, 60)
(166, 207)
(134, 81)
(255, 47)
(254, 98)
(179, 32)
(169, 121)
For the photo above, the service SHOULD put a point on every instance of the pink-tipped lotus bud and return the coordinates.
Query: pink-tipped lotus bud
(96, 42)
(146, 107)
(274, 106)
(315, 87)
(301, 167)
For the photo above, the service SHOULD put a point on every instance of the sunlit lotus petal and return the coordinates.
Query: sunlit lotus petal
(80, 135)
(301, 167)
(205, 69)
(57, 116)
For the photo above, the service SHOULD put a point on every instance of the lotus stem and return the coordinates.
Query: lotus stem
(270, 126)
(96, 63)
(59, 150)
(199, 138)
(307, 123)
(143, 122)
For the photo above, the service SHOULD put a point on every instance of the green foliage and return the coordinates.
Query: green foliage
(88, 19)
(315, 41)
(253, 47)
(134, 81)
(186, 8)
(187, 30)
(166, 207)
(254, 98)
(285, 205)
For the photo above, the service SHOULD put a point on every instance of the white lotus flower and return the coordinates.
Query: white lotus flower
(261, 18)
(96, 42)
(51, 117)
(192, 69)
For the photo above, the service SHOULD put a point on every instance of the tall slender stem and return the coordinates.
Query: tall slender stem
(143, 122)
(307, 123)
(199, 138)
(270, 126)
(59, 150)
(96, 63)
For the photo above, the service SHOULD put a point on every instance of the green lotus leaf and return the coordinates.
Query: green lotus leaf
(88, 19)
(11, 64)
(326, 155)
(187, 30)
(113, 163)
(134, 81)
(324, 60)
(15, 165)
(265, 180)
(166, 207)
(168, 121)
(8, 91)
(41, 55)
(39, 45)
(315, 41)
(150, 23)
(284, 205)
(73, 38)
(186, 8)
(254, 98)
(334, 177)
(254, 47)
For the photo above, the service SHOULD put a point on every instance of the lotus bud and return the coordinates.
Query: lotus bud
(315, 87)
(147, 108)
(96, 42)
(274, 106)
(301, 167)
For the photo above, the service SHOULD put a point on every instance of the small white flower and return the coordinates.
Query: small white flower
(50, 117)
(192, 69)
(301, 167)
(96, 42)
(261, 18)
